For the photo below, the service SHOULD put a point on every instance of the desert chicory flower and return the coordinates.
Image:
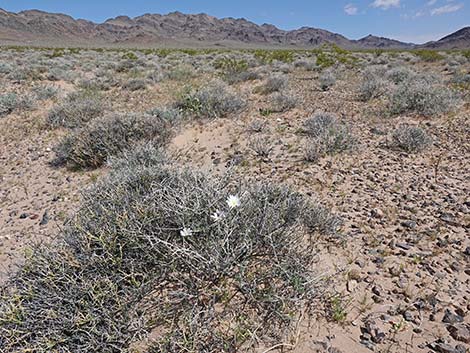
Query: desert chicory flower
(186, 232)
(233, 201)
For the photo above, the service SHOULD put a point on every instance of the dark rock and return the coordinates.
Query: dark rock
(451, 318)
(460, 332)
(45, 219)
(409, 224)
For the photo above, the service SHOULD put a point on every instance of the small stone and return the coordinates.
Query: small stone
(409, 224)
(403, 246)
(459, 332)
(451, 318)
(45, 219)
(24, 215)
(408, 316)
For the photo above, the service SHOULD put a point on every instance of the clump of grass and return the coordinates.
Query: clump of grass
(326, 136)
(157, 249)
(212, 101)
(77, 109)
(400, 74)
(181, 73)
(422, 97)
(90, 146)
(411, 139)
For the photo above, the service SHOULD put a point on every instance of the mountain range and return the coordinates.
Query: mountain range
(39, 28)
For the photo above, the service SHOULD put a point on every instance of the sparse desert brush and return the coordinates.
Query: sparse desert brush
(306, 64)
(181, 73)
(77, 109)
(146, 154)
(326, 136)
(420, 96)
(280, 102)
(411, 139)
(135, 84)
(400, 74)
(91, 145)
(428, 55)
(157, 249)
(234, 70)
(371, 86)
(274, 83)
(215, 100)
(45, 92)
(327, 80)
(261, 146)
(11, 102)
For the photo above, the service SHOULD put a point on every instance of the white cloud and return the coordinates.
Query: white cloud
(431, 2)
(385, 4)
(351, 9)
(446, 9)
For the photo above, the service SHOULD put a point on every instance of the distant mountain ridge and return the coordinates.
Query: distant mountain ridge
(34, 27)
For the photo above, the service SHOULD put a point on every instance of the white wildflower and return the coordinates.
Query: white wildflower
(186, 232)
(217, 216)
(233, 201)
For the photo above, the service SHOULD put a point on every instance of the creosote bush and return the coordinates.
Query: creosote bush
(215, 100)
(411, 139)
(210, 266)
(77, 109)
(90, 146)
(326, 135)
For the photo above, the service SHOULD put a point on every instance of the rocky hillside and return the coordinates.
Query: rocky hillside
(456, 40)
(42, 28)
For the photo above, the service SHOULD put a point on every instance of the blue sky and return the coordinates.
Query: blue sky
(408, 20)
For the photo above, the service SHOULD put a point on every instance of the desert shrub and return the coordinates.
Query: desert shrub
(146, 154)
(326, 135)
(181, 73)
(371, 86)
(45, 92)
(461, 80)
(77, 109)
(256, 126)
(268, 56)
(212, 101)
(274, 83)
(282, 101)
(91, 145)
(411, 139)
(11, 102)
(422, 97)
(306, 64)
(171, 117)
(325, 60)
(428, 55)
(398, 75)
(261, 146)
(135, 84)
(152, 247)
(327, 80)
(233, 70)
